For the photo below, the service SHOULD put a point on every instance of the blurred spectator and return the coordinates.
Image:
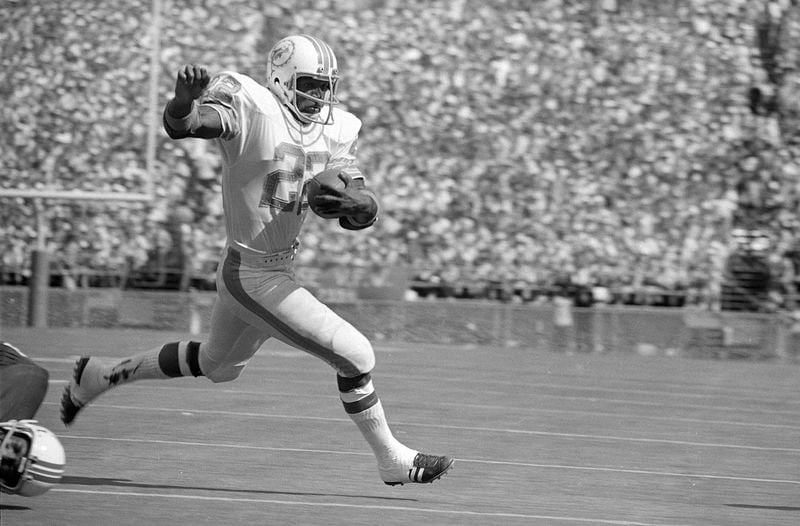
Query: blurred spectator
(513, 141)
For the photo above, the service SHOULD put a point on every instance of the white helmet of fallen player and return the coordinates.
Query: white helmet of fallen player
(310, 59)
(32, 458)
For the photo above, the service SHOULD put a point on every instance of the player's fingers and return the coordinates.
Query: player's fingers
(345, 178)
(197, 72)
(205, 77)
(328, 202)
(330, 192)
(190, 74)
(326, 209)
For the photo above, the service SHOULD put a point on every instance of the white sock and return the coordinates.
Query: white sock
(168, 361)
(143, 366)
(394, 458)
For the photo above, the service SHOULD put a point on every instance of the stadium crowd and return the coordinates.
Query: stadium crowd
(537, 143)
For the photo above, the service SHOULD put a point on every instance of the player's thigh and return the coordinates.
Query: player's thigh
(232, 341)
(293, 315)
(307, 323)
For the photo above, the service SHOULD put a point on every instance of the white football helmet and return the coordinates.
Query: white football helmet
(32, 458)
(303, 56)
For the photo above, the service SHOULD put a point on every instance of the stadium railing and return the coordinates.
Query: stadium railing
(555, 326)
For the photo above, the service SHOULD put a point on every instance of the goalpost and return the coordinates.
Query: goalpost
(40, 258)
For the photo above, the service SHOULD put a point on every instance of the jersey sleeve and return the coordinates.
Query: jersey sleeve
(225, 96)
(344, 144)
(344, 154)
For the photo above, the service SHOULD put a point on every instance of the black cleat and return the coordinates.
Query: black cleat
(70, 405)
(425, 469)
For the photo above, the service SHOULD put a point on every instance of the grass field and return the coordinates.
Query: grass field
(540, 438)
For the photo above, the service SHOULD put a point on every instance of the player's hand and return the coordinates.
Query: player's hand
(349, 201)
(190, 83)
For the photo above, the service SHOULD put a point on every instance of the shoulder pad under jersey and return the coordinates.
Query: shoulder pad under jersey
(345, 126)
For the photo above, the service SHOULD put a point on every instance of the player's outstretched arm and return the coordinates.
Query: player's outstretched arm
(183, 117)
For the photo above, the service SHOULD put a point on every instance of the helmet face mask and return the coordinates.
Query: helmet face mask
(304, 60)
(14, 447)
(32, 458)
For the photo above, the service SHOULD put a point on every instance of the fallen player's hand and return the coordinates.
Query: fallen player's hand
(191, 82)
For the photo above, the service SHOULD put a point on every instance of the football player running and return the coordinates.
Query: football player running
(272, 139)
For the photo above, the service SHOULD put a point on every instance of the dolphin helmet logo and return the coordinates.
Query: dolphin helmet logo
(282, 53)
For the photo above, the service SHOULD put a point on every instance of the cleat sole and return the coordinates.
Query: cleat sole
(69, 410)
(77, 372)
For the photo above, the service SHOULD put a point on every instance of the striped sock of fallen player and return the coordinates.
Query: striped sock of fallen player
(362, 404)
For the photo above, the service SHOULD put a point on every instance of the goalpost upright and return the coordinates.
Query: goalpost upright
(40, 258)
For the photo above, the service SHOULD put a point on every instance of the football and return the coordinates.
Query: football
(329, 178)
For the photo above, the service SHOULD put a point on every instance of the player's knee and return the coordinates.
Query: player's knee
(355, 349)
(218, 371)
(347, 384)
(224, 374)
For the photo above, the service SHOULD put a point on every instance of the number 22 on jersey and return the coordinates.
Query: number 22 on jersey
(283, 187)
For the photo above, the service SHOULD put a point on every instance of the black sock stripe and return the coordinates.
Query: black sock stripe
(348, 384)
(193, 358)
(365, 403)
(168, 360)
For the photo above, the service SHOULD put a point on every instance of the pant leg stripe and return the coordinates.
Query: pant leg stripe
(232, 282)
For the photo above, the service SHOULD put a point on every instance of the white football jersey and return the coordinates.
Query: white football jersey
(267, 159)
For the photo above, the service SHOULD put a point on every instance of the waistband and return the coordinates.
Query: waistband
(282, 258)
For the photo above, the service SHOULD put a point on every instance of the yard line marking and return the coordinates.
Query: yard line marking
(610, 438)
(67, 360)
(404, 509)
(632, 471)
(601, 389)
(623, 415)
(623, 401)
(678, 391)
(584, 399)
(457, 428)
(505, 407)
(673, 406)
(515, 463)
